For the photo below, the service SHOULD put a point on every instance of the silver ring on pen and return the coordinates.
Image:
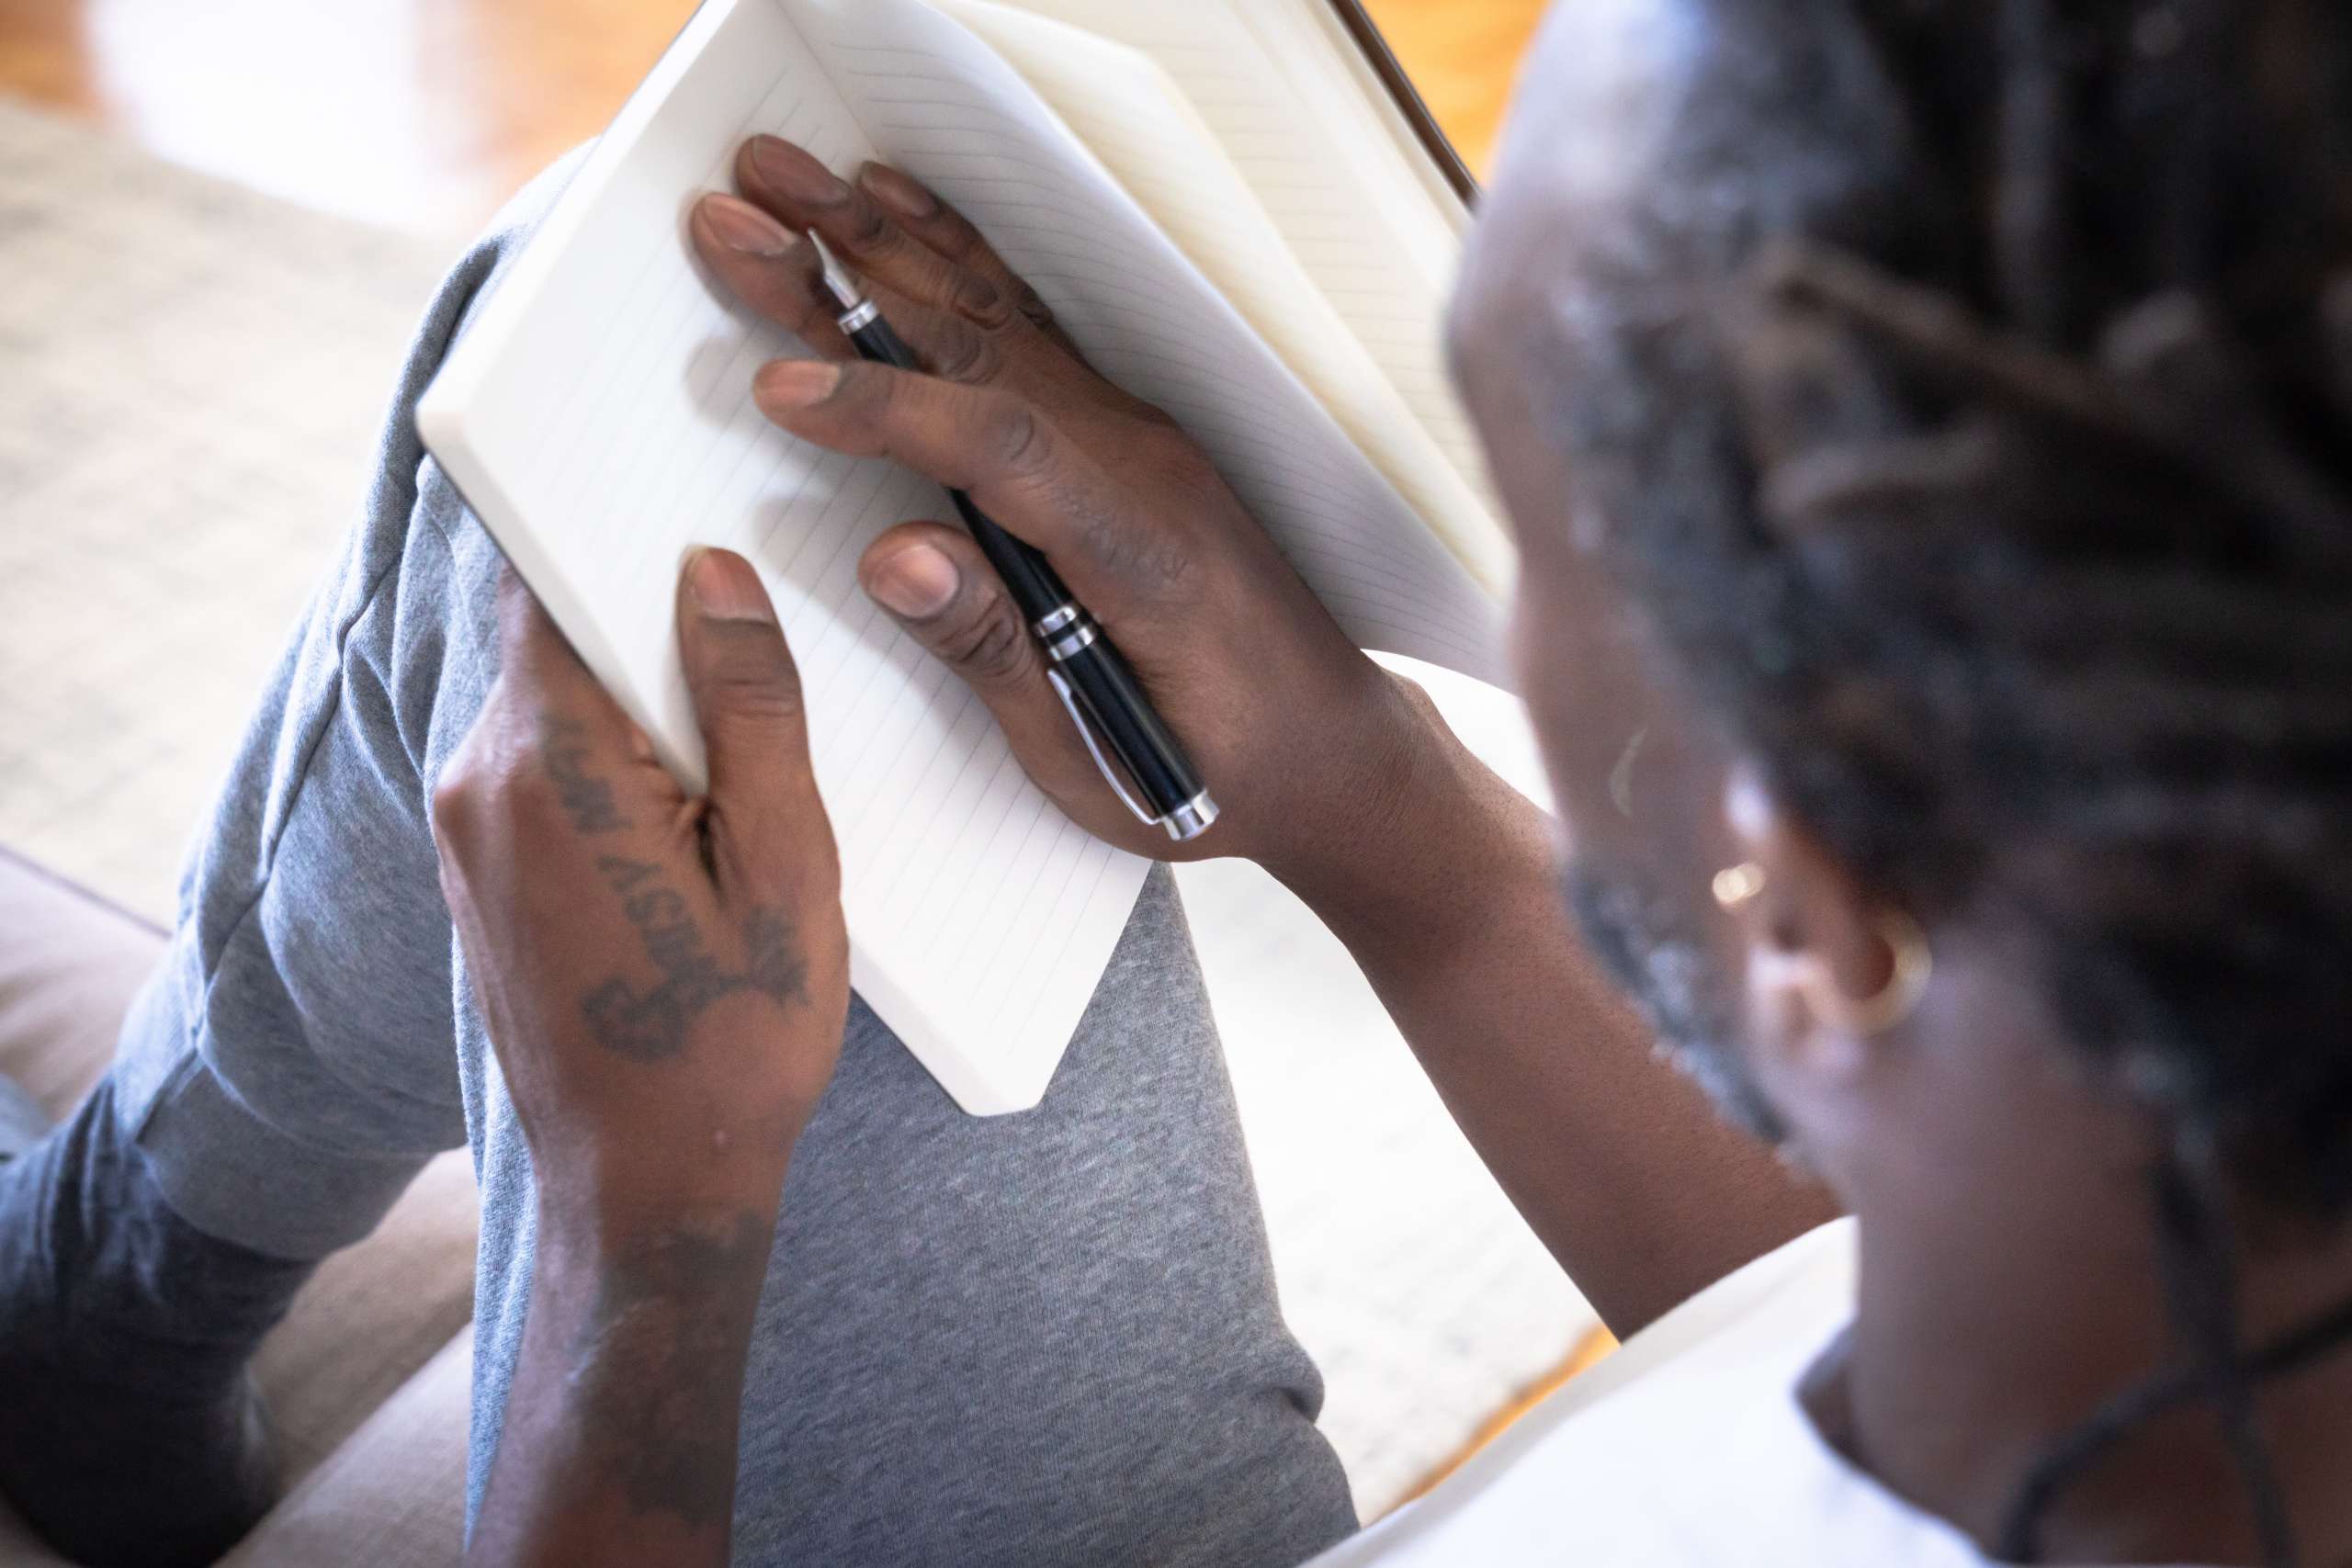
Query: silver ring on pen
(1062, 647)
(1055, 619)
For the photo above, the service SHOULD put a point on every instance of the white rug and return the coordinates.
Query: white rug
(190, 379)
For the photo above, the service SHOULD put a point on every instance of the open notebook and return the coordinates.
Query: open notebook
(1230, 213)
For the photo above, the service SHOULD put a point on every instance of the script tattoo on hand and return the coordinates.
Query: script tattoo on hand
(648, 1024)
(589, 800)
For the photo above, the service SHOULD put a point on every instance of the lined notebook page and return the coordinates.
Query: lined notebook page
(1373, 249)
(939, 103)
(598, 417)
(1131, 116)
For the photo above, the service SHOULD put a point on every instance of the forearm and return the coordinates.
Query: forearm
(619, 1441)
(1618, 1162)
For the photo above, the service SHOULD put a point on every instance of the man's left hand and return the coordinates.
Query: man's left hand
(664, 978)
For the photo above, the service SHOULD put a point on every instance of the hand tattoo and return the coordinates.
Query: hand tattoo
(588, 801)
(649, 1024)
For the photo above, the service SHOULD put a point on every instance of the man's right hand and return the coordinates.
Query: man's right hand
(1339, 779)
(1308, 745)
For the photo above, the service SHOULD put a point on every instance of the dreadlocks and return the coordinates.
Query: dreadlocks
(1977, 436)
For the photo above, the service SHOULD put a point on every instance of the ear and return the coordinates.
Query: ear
(1811, 936)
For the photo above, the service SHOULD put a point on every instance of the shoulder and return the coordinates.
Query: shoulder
(1687, 1445)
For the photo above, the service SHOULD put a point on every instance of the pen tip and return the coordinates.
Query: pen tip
(837, 278)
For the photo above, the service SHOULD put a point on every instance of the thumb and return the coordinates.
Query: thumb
(935, 582)
(747, 700)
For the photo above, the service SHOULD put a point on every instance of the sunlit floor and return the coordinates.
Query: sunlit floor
(425, 114)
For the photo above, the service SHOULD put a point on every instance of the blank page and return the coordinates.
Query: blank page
(1131, 116)
(939, 103)
(598, 416)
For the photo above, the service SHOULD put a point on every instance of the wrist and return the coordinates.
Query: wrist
(706, 1253)
(610, 1199)
(1435, 837)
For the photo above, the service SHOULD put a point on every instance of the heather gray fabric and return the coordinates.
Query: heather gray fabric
(1037, 1340)
(131, 1435)
(21, 1122)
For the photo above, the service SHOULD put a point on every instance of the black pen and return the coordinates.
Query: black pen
(1093, 680)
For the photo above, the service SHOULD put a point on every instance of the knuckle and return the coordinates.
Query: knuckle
(979, 301)
(1108, 544)
(1017, 437)
(485, 781)
(1140, 551)
(751, 682)
(991, 646)
(861, 387)
(517, 789)
(453, 807)
(1172, 451)
(965, 356)
(454, 793)
(954, 235)
(870, 231)
(1030, 303)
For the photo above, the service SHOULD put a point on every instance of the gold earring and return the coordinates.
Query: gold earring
(1891, 1003)
(1737, 884)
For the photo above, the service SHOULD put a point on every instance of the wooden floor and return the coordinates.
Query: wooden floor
(424, 114)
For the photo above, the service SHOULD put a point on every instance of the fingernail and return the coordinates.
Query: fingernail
(896, 192)
(725, 588)
(795, 174)
(742, 227)
(795, 383)
(916, 582)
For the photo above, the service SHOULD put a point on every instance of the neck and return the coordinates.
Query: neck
(1983, 1342)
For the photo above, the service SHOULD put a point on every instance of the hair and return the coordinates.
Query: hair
(1973, 416)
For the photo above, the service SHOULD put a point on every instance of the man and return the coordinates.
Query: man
(1919, 428)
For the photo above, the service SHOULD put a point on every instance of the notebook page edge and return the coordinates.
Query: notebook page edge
(1428, 195)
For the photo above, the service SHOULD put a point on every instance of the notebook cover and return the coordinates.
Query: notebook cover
(1391, 71)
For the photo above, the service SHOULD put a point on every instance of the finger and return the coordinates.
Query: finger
(931, 220)
(794, 187)
(791, 184)
(985, 440)
(764, 810)
(934, 580)
(777, 274)
(770, 268)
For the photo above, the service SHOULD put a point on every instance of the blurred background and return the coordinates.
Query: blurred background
(218, 221)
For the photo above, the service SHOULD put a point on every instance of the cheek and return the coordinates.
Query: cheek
(1623, 784)
(1561, 698)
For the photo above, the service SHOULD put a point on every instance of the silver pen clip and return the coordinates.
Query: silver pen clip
(1187, 822)
(1086, 733)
